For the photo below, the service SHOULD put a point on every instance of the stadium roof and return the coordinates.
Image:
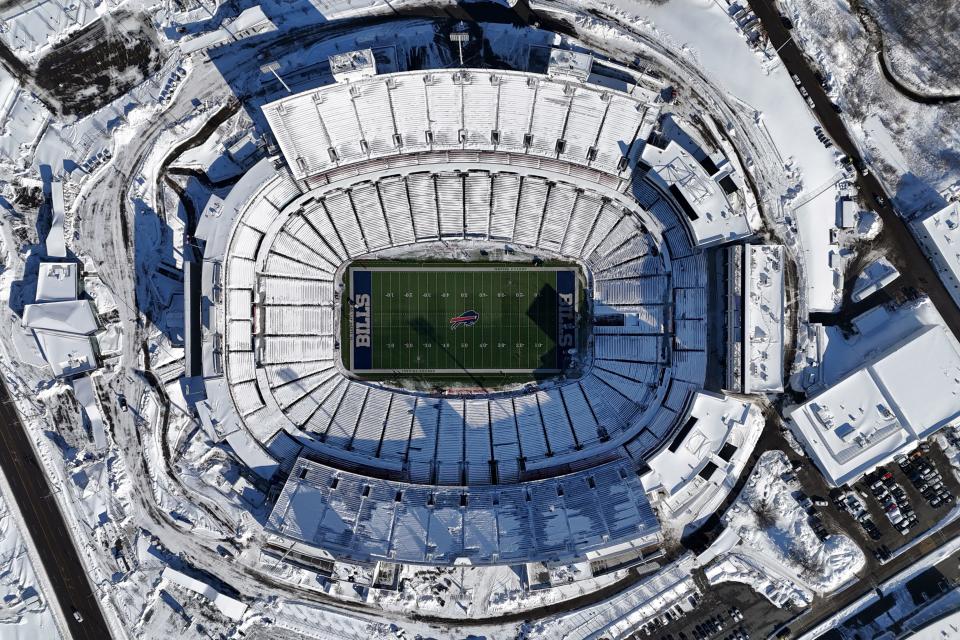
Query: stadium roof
(365, 519)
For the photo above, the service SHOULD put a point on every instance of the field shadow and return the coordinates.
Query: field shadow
(543, 313)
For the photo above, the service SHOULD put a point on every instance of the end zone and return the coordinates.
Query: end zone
(361, 325)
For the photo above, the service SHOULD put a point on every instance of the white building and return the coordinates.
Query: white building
(755, 319)
(690, 478)
(875, 276)
(572, 64)
(710, 216)
(56, 242)
(62, 325)
(939, 236)
(352, 65)
(252, 21)
(883, 408)
(57, 281)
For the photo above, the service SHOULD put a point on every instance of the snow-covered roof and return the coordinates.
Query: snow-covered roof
(939, 234)
(944, 624)
(884, 407)
(68, 316)
(57, 282)
(848, 213)
(262, 189)
(709, 214)
(574, 64)
(63, 330)
(250, 22)
(875, 276)
(252, 454)
(366, 519)
(710, 422)
(67, 354)
(447, 109)
(230, 607)
(923, 379)
(56, 244)
(86, 395)
(763, 318)
(353, 65)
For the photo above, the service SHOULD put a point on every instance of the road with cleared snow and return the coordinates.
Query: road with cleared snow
(47, 527)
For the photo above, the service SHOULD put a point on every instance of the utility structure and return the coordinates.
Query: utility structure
(460, 37)
(271, 67)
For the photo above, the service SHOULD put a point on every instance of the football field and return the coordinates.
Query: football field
(461, 319)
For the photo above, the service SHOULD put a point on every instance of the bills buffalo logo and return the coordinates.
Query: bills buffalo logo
(465, 319)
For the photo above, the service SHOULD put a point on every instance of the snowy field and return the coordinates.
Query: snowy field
(913, 145)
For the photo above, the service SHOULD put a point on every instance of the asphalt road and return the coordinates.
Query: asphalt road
(906, 255)
(47, 527)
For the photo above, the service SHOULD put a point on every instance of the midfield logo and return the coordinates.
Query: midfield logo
(465, 319)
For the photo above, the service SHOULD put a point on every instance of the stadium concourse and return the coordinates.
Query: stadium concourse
(476, 166)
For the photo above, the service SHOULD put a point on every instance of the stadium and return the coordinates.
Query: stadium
(456, 313)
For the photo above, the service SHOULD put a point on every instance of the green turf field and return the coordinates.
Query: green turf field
(460, 319)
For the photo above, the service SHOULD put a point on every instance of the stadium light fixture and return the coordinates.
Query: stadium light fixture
(271, 67)
(460, 37)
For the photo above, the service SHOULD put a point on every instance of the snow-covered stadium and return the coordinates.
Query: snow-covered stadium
(448, 162)
(512, 319)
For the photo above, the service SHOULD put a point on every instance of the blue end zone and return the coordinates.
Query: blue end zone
(566, 316)
(362, 318)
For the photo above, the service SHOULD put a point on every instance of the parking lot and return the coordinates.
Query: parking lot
(760, 617)
(742, 613)
(920, 512)
(905, 498)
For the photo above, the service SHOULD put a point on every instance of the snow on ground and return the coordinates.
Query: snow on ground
(777, 541)
(869, 224)
(912, 145)
(780, 590)
(474, 592)
(23, 119)
(920, 43)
